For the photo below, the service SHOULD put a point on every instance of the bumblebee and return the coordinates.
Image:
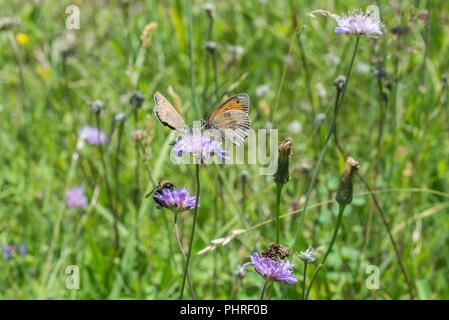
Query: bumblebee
(276, 251)
(162, 185)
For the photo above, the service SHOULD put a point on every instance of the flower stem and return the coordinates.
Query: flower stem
(186, 268)
(278, 204)
(323, 150)
(329, 248)
(108, 188)
(137, 165)
(264, 289)
(305, 282)
(178, 240)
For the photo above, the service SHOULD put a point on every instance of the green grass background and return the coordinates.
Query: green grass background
(38, 131)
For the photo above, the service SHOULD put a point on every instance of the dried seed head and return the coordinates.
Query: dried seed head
(244, 176)
(281, 176)
(308, 255)
(211, 47)
(120, 117)
(340, 82)
(344, 193)
(399, 30)
(138, 134)
(240, 272)
(209, 8)
(97, 106)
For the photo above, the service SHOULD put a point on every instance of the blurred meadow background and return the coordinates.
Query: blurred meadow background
(394, 121)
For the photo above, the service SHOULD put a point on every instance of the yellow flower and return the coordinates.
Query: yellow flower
(22, 39)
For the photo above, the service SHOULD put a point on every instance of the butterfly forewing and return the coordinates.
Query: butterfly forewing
(232, 119)
(167, 114)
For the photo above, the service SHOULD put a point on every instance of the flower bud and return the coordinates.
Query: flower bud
(97, 106)
(209, 9)
(281, 176)
(211, 47)
(136, 99)
(340, 82)
(344, 193)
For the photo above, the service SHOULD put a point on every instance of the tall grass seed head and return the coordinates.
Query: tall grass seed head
(147, 34)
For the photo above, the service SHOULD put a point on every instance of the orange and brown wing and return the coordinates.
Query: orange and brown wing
(239, 102)
(167, 114)
(232, 119)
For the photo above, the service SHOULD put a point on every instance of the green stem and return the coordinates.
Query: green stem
(278, 204)
(178, 240)
(264, 290)
(329, 248)
(108, 188)
(305, 282)
(190, 53)
(186, 268)
(321, 156)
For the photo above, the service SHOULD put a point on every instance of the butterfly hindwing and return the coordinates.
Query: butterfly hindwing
(232, 119)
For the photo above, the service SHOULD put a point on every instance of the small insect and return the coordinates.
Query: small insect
(276, 252)
(230, 118)
(164, 184)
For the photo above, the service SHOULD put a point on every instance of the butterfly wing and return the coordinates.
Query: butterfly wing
(231, 118)
(167, 114)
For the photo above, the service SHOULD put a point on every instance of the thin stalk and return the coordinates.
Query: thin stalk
(178, 240)
(108, 187)
(192, 235)
(386, 225)
(278, 205)
(137, 166)
(305, 282)
(190, 54)
(321, 156)
(264, 289)
(341, 210)
(305, 66)
(117, 160)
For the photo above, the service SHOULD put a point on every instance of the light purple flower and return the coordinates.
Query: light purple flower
(177, 200)
(199, 145)
(270, 269)
(360, 24)
(75, 198)
(92, 135)
(7, 250)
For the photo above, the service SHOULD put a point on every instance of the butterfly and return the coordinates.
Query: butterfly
(230, 118)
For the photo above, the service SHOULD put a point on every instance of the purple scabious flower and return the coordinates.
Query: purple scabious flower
(92, 135)
(75, 198)
(199, 145)
(271, 269)
(7, 250)
(360, 24)
(177, 200)
(23, 249)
